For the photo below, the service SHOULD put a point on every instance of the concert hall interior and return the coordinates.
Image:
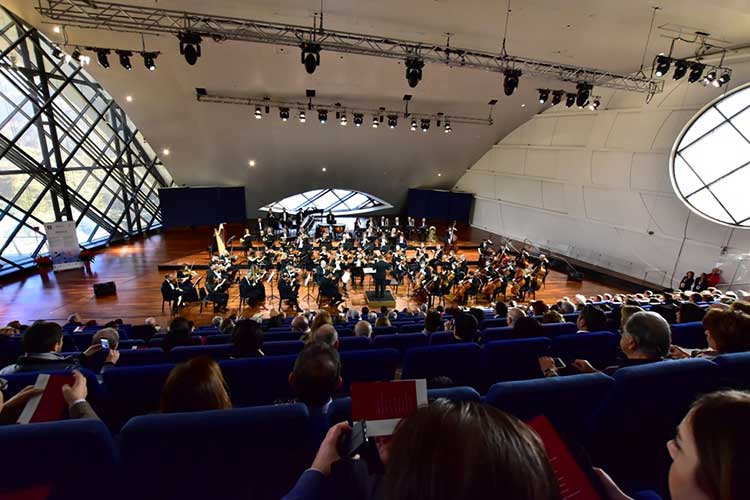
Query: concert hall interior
(513, 205)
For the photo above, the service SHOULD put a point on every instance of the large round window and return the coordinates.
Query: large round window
(710, 162)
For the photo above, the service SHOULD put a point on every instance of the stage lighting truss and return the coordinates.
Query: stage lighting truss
(694, 67)
(341, 110)
(149, 20)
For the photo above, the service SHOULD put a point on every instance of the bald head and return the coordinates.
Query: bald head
(300, 324)
(650, 333)
(327, 334)
(363, 329)
(514, 314)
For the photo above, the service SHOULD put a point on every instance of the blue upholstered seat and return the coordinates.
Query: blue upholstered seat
(513, 359)
(691, 335)
(282, 347)
(259, 381)
(184, 353)
(139, 357)
(600, 348)
(368, 366)
(459, 362)
(402, 341)
(354, 343)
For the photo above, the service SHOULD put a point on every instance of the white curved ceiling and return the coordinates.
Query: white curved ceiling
(211, 144)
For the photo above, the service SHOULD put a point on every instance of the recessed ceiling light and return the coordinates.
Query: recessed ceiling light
(129, 98)
(165, 151)
(323, 169)
(56, 29)
(439, 174)
(251, 163)
(523, 105)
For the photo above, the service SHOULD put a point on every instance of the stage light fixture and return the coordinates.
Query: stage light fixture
(662, 65)
(343, 120)
(543, 95)
(556, 97)
(510, 83)
(322, 115)
(594, 105)
(375, 122)
(696, 72)
(258, 114)
(392, 121)
(680, 69)
(284, 114)
(101, 58)
(310, 56)
(724, 78)
(302, 116)
(425, 125)
(570, 99)
(57, 53)
(125, 59)
(448, 128)
(710, 78)
(582, 94)
(413, 125)
(414, 71)
(190, 47)
(76, 55)
(149, 60)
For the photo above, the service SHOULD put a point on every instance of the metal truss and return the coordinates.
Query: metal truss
(157, 21)
(339, 108)
(68, 152)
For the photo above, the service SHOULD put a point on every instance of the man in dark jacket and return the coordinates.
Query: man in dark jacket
(381, 268)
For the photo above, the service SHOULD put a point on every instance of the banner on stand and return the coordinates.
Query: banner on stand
(62, 241)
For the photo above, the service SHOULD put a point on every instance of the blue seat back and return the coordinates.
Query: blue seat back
(600, 348)
(280, 336)
(371, 365)
(497, 333)
(184, 353)
(354, 343)
(556, 329)
(241, 453)
(258, 381)
(402, 341)
(411, 327)
(129, 344)
(10, 350)
(459, 362)
(513, 359)
(282, 347)
(734, 370)
(494, 323)
(55, 455)
(441, 338)
(384, 330)
(222, 338)
(690, 335)
(83, 340)
(140, 357)
(567, 401)
(134, 390)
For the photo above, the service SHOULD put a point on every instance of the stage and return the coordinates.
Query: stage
(136, 267)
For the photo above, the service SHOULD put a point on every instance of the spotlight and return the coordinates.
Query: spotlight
(310, 56)
(149, 60)
(375, 122)
(414, 71)
(392, 121)
(510, 84)
(57, 53)
(680, 69)
(343, 120)
(101, 58)
(557, 97)
(284, 114)
(302, 116)
(358, 119)
(258, 113)
(582, 96)
(190, 47)
(662, 64)
(594, 105)
(710, 78)
(413, 125)
(425, 125)
(543, 95)
(322, 115)
(570, 99)
(696, 71)
(448, 128)
(76, 54)
(724, 78)
(125, 59)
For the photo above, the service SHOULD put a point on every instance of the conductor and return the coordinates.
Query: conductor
(381, 268)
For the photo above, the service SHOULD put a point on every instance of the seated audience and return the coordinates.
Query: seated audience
(478, 315)
(247, 340)
(626, 312)
(566, 306)
(321, 318)
(382, 321)
(514, 314)
(277, 319)
(227, 325)
(195, 385)
(709, 452)
(327, 334)
(739, 305)
(316, 377)
(179, 334)
(690, 313)
(591, 319)
(112, 336)
(352, 315)
(727, 331)
(363, 329)
(551, 316)
(42, 343)
(482, 453)
(539, 307)
(465, 328)
(301, 327)
(526, 328)
(216, 322)
(74, 322)
(645, 339)
(501, 310)
(687, 281)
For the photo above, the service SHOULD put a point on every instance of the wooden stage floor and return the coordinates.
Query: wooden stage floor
(134, 267)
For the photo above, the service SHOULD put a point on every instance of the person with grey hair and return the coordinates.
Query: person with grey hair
(301, 326)
(327, 334)
(112, 336)
(514, 314)
(216, 322)
(646, 338)
(151, 321)
(373, 316)
(566, 306)
(352, 314)
(363, 329)
(392, 315)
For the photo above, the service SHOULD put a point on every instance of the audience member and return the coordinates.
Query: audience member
(112, 336)
(464, 328)
(501, 310)
(526, 328)
(552, 317)
(591, 319)
(316, 377)
(276, 320)
(327, 334)
(566, 306)
(179, 334)
(301, 327)
(363, 329)
(478, 315)
(626, 312)
(727, 331)
(74, 322)
(195, 385)
(216, 322)
(352, 315)
(247, 340)
(42, 343)
(382, 321)
(709, 452)
(321, 318)
(686, 284)
(690, 313)
(739, 305)
(539, 307)
(514, 314)
(432, 322)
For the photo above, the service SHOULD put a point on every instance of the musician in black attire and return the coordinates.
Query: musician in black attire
(298, 219)
(423, 229)
(289, 291)
(252, 289)
(185, 282)
(330, 219)
(217, 287)
(381, 268)
(170, 291)
(329, 288)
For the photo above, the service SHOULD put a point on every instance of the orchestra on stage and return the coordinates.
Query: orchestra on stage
(299, 253)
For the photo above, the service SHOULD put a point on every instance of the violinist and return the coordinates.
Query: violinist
(329, 288)
(185, 282)
(268, 239)
(171, 291)
(252, 289)
(289, 290)
(217, 286)
(401, 243)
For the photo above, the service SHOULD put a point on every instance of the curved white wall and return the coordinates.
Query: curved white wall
(593, 185)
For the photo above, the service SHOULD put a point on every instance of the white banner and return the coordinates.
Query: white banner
(62, 241)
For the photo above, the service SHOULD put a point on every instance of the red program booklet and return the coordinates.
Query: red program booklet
(383, 404)
(49, 405)
(574, 484)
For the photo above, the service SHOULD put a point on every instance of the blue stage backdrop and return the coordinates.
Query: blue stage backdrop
(198, 206)
(440, 205)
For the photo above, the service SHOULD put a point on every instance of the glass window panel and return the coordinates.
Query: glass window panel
(686, 180)
(732, 191)
(708, 121)
(355, 201)
(326, 201)
(742, 122)
(734, 103)
(718, 153)
(704, 202)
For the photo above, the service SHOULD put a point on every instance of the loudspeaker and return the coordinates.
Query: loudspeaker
(575, 276)
(107, 288)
